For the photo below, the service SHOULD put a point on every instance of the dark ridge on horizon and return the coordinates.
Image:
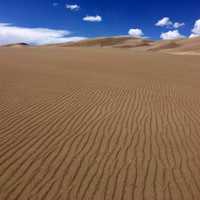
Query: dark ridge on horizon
(20, 44)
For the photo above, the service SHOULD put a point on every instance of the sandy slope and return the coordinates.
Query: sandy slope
(98, 124)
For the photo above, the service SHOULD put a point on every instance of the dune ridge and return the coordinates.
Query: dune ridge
(190, 45)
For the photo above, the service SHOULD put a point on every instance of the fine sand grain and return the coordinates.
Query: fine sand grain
(98, 124)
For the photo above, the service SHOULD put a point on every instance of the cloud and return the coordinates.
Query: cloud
(171, 35)
(73, 7)
(196, 29)
(96, 18)
(138, 33)
(38, 36)
(178, 25)
(164, 22)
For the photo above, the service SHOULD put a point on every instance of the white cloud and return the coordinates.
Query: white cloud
(196, 29)
(167, 22)
(178, 25)
(138, 33)
(171, 35)
(13, 34)
(96, 18)
(164, 22)
(73, 7)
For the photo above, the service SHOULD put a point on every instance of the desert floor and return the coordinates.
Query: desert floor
(98, 124)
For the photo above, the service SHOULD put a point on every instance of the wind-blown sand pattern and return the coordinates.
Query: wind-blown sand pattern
(102, 124)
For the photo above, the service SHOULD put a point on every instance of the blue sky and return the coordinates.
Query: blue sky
(118, 17)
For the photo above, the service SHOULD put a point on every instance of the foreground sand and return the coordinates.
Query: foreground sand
(98, 124)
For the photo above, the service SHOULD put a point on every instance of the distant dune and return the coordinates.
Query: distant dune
(141, 45)
(99, 42)
(179, 46)
(192, 44)
(117, 42)
(100, 123)
(164, 45)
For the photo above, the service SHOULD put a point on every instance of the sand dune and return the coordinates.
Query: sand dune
(98, 124)
(164, 45)
(117, 42)
(192, 43)
(141, 45)
(179, 47)
(96, 42)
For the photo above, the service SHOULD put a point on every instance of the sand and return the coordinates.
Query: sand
(98, 124)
